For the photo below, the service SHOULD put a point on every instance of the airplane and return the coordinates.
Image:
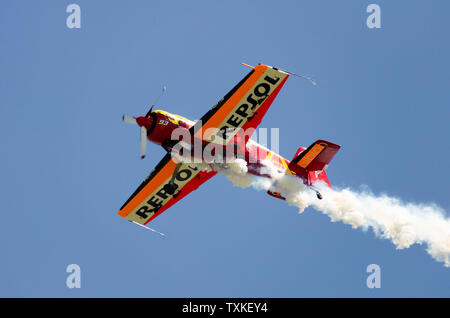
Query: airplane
(240, 110)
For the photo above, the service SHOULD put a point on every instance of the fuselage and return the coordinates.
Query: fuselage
(161, 124)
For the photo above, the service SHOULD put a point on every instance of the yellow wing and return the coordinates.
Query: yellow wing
(243, 107)
(154, 196)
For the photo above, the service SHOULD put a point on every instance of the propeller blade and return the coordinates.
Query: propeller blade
(156, 101)
(150, 111)
(129, 119)
(143, 141)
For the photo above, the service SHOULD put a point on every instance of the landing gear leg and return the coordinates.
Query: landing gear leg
(171, 186)
(319, 196)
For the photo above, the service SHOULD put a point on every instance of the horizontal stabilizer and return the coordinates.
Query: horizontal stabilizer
(317, 156)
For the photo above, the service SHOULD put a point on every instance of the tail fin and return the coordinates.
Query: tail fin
(311, 162)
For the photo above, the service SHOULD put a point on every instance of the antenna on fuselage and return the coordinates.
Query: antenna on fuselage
(151, 108)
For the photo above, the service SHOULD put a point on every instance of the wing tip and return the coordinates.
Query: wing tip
(252, 67)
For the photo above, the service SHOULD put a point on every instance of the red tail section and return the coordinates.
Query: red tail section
(310, 163)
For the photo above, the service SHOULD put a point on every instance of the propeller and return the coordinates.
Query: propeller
(143, 141)
(151, 108)
(142, 120)
(143, 135)
(150, 111)
(129, 119)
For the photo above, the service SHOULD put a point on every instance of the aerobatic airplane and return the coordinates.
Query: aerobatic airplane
(241, 110)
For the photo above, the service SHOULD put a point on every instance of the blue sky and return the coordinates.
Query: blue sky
(68, 162)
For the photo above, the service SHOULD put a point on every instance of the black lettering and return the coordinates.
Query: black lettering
(242, 110)
(223, 132)
(264, 93)
(234, 121)
(162, 193)
(271, 80)
(251, 100)
(187, 174)
(154, 202)
(142, 212)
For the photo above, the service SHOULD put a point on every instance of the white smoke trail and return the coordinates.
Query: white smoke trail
(403, 223)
